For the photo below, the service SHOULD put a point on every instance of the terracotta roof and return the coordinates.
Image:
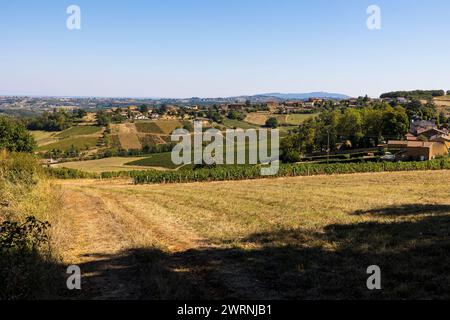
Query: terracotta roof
(419, 144)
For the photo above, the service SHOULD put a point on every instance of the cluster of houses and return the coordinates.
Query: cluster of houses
(424, 142)
(295, 106)
(133, 113)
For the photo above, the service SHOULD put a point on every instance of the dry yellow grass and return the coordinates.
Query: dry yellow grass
(305, 237)
(44, 138)
(128, 136)
(443, 104)
(258, 118)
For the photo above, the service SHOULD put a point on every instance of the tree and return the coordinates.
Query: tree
(442, 119)
(272, 123)
(143, 108)
(79, 113)
(103, 119)
(58, 120)
(14, 137)
(395, 123)
(350, 126)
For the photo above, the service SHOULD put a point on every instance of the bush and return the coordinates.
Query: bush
(66, 173)
(272, 123)
(26, 266)
(20, 168)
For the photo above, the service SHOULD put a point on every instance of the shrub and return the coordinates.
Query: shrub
(26, 266)
(66, 173)
(20, 168)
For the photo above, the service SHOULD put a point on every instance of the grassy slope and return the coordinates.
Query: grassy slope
(78, 136)
(66, 144)
(78, 131)
(162, 160)
(307, 237)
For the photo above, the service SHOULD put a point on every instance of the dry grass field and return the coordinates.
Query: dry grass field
(128, 137)
(292, 238)
(260, 118)
(443, 104)
(44, 137)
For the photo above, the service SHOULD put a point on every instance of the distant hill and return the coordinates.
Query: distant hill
(305, 96)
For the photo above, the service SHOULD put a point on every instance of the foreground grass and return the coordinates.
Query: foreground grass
(31, 230)
(286, 238)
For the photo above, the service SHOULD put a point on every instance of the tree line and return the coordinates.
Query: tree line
(58, 120)
(348, 128)
(415, 94)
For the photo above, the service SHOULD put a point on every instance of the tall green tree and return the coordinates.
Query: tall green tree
(14, 137)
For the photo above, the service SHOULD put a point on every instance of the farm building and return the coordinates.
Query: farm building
(421, 150)
(418, 150)
(397, 144)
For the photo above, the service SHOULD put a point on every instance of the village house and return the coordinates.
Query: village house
(422, 126)
(236, 107)
(430, 133)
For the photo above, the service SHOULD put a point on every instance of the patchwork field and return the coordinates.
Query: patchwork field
(136, 135)
(292, 238)
(81, 137)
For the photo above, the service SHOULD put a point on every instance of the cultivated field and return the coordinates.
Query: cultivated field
(105, 165)
(136, 135)
(81, 137)
(260, 118)
(302, 238)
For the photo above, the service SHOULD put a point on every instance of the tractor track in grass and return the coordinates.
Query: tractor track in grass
(130, 248)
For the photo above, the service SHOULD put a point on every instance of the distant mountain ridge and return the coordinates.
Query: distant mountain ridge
(305, 96)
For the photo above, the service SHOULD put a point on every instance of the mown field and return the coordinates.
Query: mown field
(105, 165)
(260, 118)
(286, 238)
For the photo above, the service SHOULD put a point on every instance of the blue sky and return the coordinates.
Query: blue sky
(211, 48)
